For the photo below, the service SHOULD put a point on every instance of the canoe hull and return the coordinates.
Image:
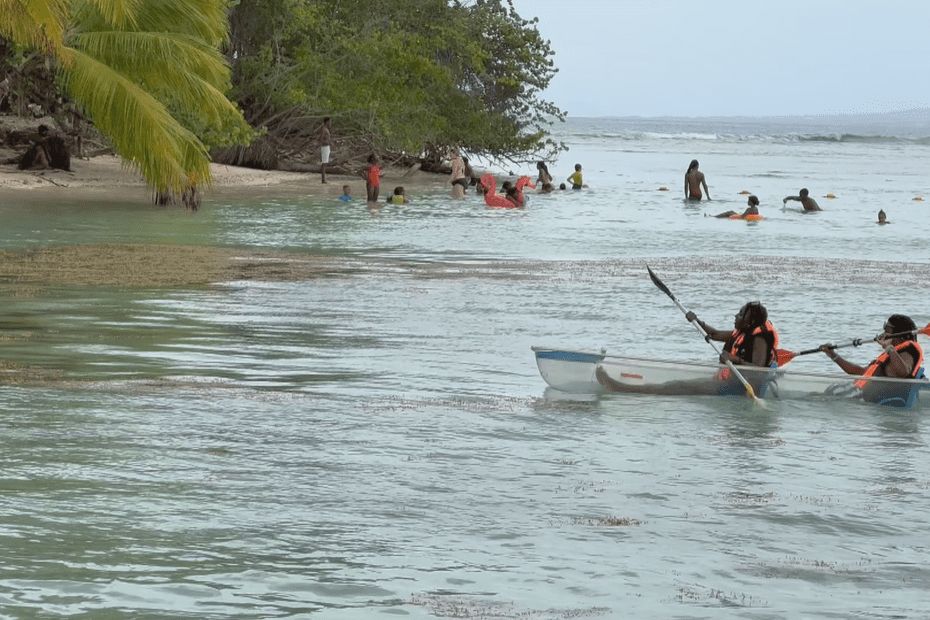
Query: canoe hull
(577, 372)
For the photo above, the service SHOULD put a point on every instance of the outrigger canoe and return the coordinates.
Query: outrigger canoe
(586, 372)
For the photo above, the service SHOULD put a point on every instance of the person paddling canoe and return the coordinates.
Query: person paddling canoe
(751, 342)
(753, 339)
(902, 357)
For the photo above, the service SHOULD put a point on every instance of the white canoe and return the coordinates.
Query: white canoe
(577, 372)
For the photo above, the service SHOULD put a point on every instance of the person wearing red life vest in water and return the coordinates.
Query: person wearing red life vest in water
(752, 342)
(902, 358)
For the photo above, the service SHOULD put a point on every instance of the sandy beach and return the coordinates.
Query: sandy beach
(111, 175)
(108, 173)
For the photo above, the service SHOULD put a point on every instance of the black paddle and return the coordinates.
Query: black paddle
(749, 391)
(783, 356)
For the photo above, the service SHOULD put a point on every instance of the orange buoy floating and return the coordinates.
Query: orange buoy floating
(663, 189)
(918, 198)
(830, 195)
(748, 218)
(744, 193)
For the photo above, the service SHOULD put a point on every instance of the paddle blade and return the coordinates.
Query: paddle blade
(783, 356)
(655, 280)
(751, 393)
(925, 330)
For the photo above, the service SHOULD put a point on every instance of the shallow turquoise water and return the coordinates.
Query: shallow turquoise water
(377, 442)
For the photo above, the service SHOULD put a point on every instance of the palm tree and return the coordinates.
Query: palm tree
(148, 73)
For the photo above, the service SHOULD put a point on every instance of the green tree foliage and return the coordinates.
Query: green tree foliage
(147, 73)
(415, 76)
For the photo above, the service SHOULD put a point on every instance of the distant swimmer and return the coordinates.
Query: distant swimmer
(918, 198)
(694, 181)
(752, 209)
(882, 218)
(829, 195)
(804, 198)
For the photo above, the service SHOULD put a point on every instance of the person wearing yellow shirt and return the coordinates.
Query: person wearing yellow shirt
(575, 178)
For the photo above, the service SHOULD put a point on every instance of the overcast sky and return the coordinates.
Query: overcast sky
(736, 57)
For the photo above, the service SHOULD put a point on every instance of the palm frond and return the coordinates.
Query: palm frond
(203, 19)
(142, 130)
(34, 23)
(154, 57)
(116, 13)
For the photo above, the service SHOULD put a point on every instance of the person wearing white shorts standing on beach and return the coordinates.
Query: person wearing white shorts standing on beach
(326, 140)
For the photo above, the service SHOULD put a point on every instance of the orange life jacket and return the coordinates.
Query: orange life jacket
(737, 342)
(881, 360)
(741, 347)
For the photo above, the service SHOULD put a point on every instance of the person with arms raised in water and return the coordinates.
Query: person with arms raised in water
(902, 358)
(805, 199)
(752, 342)
(694, 180)
(752, 209)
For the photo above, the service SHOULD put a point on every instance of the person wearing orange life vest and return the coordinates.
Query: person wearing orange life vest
(751, 342)
(902, 357)
(753, 339)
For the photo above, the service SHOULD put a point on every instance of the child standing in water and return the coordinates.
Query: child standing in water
(576, 178)
(373, 178)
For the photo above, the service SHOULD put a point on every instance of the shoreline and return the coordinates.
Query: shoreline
(108, 174)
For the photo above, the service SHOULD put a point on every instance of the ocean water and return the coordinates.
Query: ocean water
(351, 425)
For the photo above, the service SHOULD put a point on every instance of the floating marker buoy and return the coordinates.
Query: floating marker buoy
(831, 195)
(663, 189)
(918, 198)
(744, 193)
